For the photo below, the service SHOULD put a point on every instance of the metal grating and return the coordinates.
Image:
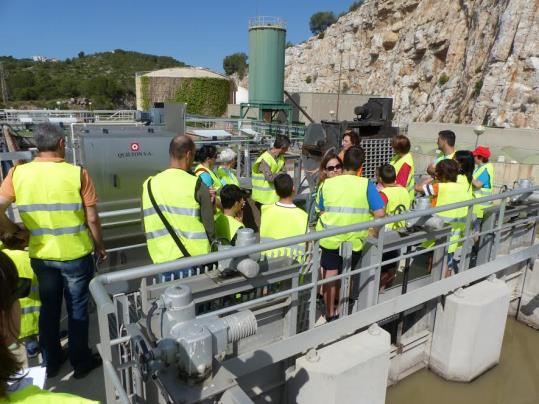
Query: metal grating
(377, 152)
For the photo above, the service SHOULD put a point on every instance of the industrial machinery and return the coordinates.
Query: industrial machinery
(372, 124)
(186, 344)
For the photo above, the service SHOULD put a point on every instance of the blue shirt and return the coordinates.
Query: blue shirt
(206, 179)
(484, 178)
(373, 197)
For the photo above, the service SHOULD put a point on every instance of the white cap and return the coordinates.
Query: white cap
(227, 155)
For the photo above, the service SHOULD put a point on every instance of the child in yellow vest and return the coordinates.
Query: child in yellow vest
(396, 200)
(447, 190)
(228, 221)
(283, 219)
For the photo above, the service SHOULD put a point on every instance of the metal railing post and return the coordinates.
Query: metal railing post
(498, 233)
(375, 289)
(466, 247)
(315, 271)
(346, 282)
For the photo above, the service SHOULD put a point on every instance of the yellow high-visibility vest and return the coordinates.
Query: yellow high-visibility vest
(49, 202)
(448, 193)
(396, 196)
(483, 191)
(203, 169)
(264, 191)
(227, 176)
(461, 179)
(182, 212)
(34, 395)
(278, 222)
(30, 305)
(226, 227)
(397, 162)
(345, 203)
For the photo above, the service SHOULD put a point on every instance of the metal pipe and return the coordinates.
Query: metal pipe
(120, 212)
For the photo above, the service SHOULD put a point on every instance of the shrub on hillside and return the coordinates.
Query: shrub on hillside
(321, 20)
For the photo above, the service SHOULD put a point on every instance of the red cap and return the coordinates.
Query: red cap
(482, 151)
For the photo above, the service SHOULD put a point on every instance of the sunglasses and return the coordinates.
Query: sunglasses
(334, 168)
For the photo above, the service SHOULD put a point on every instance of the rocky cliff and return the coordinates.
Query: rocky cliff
(461, 61)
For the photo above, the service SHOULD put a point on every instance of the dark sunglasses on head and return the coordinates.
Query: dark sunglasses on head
(334, 168)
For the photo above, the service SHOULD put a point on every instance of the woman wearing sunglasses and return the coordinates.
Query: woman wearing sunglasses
(331, 166)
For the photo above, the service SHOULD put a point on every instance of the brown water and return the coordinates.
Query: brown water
(515, 380)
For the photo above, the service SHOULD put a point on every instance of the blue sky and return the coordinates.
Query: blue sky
(199, 33)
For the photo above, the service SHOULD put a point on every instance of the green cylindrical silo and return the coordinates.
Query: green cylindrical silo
(267, 39)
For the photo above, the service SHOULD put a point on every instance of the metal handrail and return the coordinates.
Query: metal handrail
(267, 21)
(155, 269)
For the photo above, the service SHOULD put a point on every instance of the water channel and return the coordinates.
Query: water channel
(515, 380)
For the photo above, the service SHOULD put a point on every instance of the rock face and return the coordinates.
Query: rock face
(461, 61)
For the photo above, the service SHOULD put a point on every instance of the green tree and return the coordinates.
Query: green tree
(355, 5)
(235, 63)
(321, 20)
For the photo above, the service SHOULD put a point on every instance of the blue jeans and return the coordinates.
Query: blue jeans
(70, 280)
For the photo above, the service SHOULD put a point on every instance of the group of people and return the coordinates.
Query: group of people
(185, 212)
(343, 198)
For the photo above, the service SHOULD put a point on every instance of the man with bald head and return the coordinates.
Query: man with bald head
(177, 208)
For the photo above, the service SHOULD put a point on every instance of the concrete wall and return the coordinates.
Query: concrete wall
(520, 145)
(515, 152)
(504, 173)
(233, 110)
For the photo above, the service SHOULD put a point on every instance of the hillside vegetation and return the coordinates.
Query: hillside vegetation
(106, 80)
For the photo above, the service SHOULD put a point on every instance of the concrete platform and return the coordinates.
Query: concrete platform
(354, 370)
(92, 386)
(468, 332)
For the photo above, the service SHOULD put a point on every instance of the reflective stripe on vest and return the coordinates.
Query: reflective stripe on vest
(396, 196)
(227, 175)
(49, 202)
(397, 162)
(263, 191)
(49, 207)
(172, 210)
(278, 222)
(58, 232)
(216, 184)
(184, 234)
(182, 212)
(479, 193)
(344, 208)
(30, 305)
(449, 193)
